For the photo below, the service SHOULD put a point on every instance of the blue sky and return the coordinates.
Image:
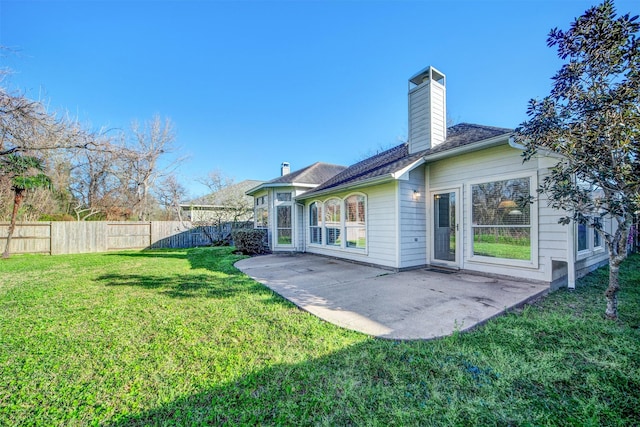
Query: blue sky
(250, 84)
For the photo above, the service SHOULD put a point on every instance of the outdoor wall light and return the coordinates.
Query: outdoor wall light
(416, 195)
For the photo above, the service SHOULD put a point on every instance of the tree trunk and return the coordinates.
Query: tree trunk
(17, 201)
(617, 254)
(612, 291)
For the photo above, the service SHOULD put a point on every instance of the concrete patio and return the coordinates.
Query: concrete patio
(416, 304)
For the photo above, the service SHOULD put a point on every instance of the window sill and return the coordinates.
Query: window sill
(506, 262)
(339, 248)
(589, 253)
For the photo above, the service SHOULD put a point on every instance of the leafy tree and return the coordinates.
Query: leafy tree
(590, 122)
(25, 173)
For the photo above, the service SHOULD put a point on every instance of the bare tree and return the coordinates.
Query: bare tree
(227, 200)
(95, 180)
(29, 131)
(26, 127)
(226, 204)
(142, 169)
(169, 194)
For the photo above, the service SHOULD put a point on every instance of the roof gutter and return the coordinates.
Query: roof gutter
(495, 141)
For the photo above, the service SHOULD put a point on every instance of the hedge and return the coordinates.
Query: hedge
(251, 241)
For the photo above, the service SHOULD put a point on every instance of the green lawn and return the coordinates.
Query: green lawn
(502, 250)
(182, 338)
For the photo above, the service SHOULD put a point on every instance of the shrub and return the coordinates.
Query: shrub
(56, 217)
(251, 241)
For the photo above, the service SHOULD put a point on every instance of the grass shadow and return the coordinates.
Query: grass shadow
(182, 286)
(209, 258)
(219, 280)
(378, 382)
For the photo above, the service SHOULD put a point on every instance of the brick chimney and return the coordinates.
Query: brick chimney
(427, 110)
(285, 169)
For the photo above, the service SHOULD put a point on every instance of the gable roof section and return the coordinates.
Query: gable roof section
(465, 134)
(383, 166)
(310, 176)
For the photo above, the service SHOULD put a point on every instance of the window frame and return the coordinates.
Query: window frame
(590, 237)
(362, 225)
(319, 216)
(591, 248)
(327, 228)
(534, 242)
(261, 205)
(281, 201)
(327, 234)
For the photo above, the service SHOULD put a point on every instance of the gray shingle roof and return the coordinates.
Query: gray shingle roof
(466, 134)
(314, 174)
(221, 197)
(397, 158)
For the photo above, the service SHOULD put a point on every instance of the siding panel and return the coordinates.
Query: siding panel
(381, 229)
(413, 220)
(492, 163)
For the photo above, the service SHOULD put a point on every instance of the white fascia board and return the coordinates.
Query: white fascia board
(365, 183)
(542, 151)
(403, 174)
(487, 143)
(265, 186)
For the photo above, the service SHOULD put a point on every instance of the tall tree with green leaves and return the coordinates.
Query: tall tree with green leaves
(26, 173)
(590, 122)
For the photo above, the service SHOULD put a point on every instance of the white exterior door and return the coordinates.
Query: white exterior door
(445, 241)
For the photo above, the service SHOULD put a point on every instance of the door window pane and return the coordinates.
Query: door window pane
(444, 208)
(284, 224)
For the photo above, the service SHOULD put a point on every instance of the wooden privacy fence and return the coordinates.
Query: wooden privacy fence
(73, 237)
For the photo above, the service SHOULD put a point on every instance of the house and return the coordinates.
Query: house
(448, 198)
(229, 204)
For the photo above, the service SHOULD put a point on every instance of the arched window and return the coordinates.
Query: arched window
(355, 221)
(332, 222)
(339, 223)
(315, 223)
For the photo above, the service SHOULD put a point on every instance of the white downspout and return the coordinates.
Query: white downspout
(571, 256)
(302, 229)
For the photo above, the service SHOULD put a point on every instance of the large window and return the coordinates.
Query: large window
(339, 223)
(315, 223)
(501, 224)
(354, 224)
(261, 212)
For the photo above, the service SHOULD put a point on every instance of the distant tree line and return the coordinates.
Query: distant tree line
(53, 168)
